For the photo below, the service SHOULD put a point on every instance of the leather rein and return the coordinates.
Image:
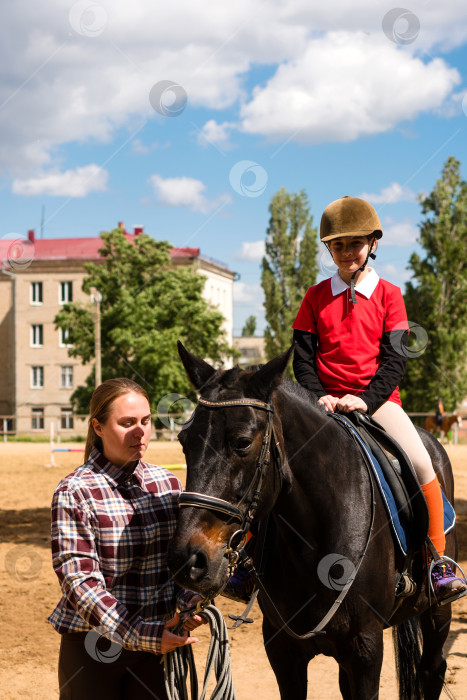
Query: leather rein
(235, 551)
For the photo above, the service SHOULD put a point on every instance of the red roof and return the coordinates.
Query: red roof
(20, 252)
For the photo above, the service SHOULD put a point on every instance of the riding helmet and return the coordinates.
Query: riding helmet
(349, 216)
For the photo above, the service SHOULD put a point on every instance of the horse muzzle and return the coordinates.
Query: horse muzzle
(198, 563)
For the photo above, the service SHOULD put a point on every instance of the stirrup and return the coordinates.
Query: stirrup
(455, 595)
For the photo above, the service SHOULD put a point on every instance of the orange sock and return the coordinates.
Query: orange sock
(434, 501)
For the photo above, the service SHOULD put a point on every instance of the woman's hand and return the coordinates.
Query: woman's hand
(349, 402)
(329, 402)
(193, 622)
(171, 641)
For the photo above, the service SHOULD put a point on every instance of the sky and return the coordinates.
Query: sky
(187, 117)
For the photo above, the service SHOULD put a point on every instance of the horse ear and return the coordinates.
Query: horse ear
(268, 377)
(199, 372)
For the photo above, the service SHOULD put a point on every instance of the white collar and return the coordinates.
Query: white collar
(366, 287)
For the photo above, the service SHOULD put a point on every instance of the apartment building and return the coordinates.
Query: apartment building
(38, 276)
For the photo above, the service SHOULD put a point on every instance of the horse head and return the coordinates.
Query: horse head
(235, 469)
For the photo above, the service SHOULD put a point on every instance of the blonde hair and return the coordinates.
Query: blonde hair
(101, 402)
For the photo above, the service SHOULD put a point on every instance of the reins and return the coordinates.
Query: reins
(236, 553)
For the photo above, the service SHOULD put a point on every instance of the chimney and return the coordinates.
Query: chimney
(121, 224)
(137, 230)
(31, 235)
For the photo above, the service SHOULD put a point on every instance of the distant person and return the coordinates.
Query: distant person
(112, 520)
(440, 413)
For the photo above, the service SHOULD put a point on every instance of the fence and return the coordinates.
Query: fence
(165, 426)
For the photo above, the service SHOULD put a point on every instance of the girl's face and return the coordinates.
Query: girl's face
(349, 253)
(125, 434)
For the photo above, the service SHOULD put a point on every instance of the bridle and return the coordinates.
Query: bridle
(245, 516)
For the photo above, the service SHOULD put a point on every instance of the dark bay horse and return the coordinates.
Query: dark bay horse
(327, 532)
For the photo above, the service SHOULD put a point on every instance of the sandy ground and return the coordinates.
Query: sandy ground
(29, 589)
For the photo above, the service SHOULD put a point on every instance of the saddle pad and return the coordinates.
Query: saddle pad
(398, 530)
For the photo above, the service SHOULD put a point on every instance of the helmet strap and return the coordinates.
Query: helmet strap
(353, 296)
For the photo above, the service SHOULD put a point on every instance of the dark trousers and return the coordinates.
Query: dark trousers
(92, 668)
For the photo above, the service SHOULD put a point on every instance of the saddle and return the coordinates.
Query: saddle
(392, 465)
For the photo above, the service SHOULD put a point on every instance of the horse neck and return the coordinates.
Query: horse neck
(326, 470)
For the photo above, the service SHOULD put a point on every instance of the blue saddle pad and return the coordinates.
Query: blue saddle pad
(399, 532)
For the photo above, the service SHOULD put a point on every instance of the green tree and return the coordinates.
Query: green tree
(437, 299)
(250, 326)
(147, 305)
(289, 266)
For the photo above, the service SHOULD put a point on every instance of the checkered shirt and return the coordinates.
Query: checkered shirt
(110, 534)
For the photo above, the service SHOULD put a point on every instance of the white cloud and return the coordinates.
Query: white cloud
(71, 183)
(344, 86)
(185, 192)
(396, 275)
(402, 233)
(67, 77)
(252, 251)
(251, 294)
(214, 134)
(391, 194)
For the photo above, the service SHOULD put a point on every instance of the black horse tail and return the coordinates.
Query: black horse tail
(407, 652)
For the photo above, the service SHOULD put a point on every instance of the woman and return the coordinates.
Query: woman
(112, 520)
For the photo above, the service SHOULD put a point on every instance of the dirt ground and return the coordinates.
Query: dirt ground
(29, 589)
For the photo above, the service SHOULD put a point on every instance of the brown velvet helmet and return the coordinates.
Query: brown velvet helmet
(349, 216)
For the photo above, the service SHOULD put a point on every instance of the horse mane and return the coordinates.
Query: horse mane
(237, 377)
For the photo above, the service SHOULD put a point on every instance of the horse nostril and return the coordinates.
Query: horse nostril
(197, 565)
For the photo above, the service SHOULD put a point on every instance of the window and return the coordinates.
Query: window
(37, 419)
(66, 377)
(6, 425)
(64, 338)
(37, 335)
(66, 419)
(36, 292)
(66, 292)
(37, 377)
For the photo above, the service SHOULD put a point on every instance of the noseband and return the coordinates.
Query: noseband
(219, 505)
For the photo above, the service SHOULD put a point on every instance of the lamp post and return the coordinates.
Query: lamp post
(96, 298)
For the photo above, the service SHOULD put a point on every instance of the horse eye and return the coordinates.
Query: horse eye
(242, 444)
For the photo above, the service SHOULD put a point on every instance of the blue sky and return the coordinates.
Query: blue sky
(187, 118)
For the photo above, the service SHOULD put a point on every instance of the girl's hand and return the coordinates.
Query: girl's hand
(171, 641)
(349, 402)
(329, 402)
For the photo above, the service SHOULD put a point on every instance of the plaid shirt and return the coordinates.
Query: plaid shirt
(110, 534)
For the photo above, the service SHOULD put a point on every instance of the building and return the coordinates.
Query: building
(252, 350)
(38, 276)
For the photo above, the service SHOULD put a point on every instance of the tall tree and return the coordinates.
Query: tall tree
(147, 305)
(250, 327)
(437, 299)
(289, 266)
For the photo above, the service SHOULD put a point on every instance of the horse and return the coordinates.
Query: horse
(259, 448)
(448, 421)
